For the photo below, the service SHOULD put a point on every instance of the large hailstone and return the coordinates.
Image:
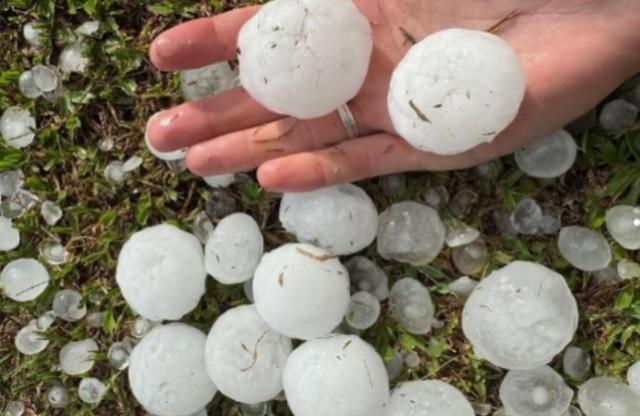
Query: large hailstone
(234, 249)
(548, 157)
(454, 90)
(301, 291)
(161, 272)
(520, 316)
(604, 396)
(585, 249)
(305, 58)
(340, 375)
(428, 398)
(623, 223)
(244, 357)
(342, 219)
(536, 392)
(23, 280)
(167, 371)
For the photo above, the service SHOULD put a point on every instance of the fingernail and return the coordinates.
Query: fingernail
(167, 48)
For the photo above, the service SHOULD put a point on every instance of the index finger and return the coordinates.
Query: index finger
(200, 42)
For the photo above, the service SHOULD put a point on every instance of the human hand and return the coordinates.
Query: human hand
(573, 52)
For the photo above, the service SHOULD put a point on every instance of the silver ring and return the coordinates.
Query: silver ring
(348, 121)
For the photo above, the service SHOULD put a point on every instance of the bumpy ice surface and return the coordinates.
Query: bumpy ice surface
(428, 398)
(536, 392)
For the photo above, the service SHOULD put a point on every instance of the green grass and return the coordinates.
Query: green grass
(114, 98)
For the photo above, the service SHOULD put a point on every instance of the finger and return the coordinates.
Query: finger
(200, 42)
(195, 121)
(244, 150)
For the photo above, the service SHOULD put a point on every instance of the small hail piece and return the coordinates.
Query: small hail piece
(363, 311)
(51, 213)
(32, 33)
(17, 127)
(460, 234)
(536, 392)
(54, 253)
(220, 181)
(410, 303)
(428, 398)
(305, 58)
(604, 396)
(69, 306)
(367, 276)
(585, 249)
(208, 80)
(623, 223)
(455, 90)
(11, 181)
(45, 78)
(58, 396)
(77, 357)
(341, 219)
(463, 286)
(548, 157)
(88, 28)
(119, 353)
(9, 235)
(618, 115)
(471, 258)
(576, 363)
(393, 185)
(28, 341)
(91, 390)
(347, 378)
(23, 280)
(27, 85)
(72, 59)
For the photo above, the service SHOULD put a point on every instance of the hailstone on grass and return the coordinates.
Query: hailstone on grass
(32, 33)
(410, 303)
(301, 291)
(68, 305)
(548, 157)
(9, 235)
(167, 372)
(604, 396)
(24, 279)
(454, 90)
(161, 272)
(520, 316)
(244, 357)
(536, 392)
(17, 127)
(576, 363)
(305, 58)
(366, 276)
(234, 249)
(72, 59)
(28, 341)
(364, 310)
(342, 219)
(428, 398)
(76, 357)
(340, 375)
(623, 223)
(91, 390)
(585, 249)
(633, 377)
(208, 80)
(27, 85)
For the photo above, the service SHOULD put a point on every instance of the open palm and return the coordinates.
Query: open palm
(574, 52)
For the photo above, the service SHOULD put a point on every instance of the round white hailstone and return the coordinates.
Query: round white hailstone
(305, 58)
(119, 353)
(72, 59)
(244, 357)
(585, 249)
(301, 291)
(17, 127)
(28, 341)
(27, 85)
(32, 34)
(166, 156)
(548, 157)
(428, 398)
(633, 377)
(208, 80)
(68, 305)
(234, 249)
(623, 223)
(161, 272)
(471, 258)
(410, 303)
(363, 311)
(340, 375)
(220, 181)
(454, 90)
(58, 396)
(618, 115)
(167, 371)
(23, 280)
(460, 234)
(536, 392)
(366, 276)
(76, 357)
(342, 219)
(604, 396)
(576, 363)
(45, 78)
(520, 316)
(410, 232)
(9, 236)
(91, 390)
(463, 286)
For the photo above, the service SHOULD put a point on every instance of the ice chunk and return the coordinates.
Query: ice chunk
(9, 236)
(536, 392)
(428, 398)
(437, 197)
(174, 156)
(54, 253)
(95, 319)
(618, 115)
(463, 202)
(463, 286)
(244, 357)
(472, 258)
(106, 144)
(114, 172)
(628, 269)
(347, 377)
(301, 291)
(454, 90)
(24, 279)
(161, 272)
(45, 321)
(91, 390)
(167, 372)
(88, 28)
(315, 48)
(412, 360)
(17, 204)
(585, 249)
(410, 303)
(460, 234)
(623, 223)
(366, 276)
(32, 33)
(342, 219)
(44, 77)
(202, 227)
(17, 127)
(393, 185)
(604, 396)
(363, 311)
(395, 366)
(28, 341)
(220, 181)
(72, 59)
(11, 181)
(27, 85)
(520, 316)
(234, 249)
(208, 80)
(50, 212)
(633, 377)
(220, 203)
(69, 306)
(58, 396)
(76, 357)
(504, 223)
(576, 363)
(548, 157)
(527, 217)
(410, 232)
(131, 164)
